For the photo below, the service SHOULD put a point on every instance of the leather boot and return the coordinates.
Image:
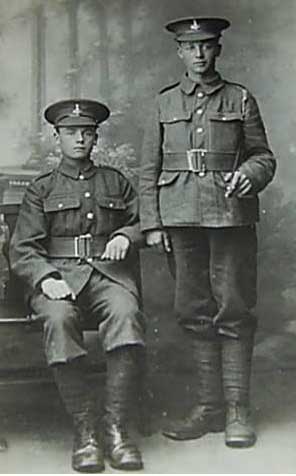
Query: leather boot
(120, 450)
(208, 414)
(239, 432)
(87, 454)
(236, 361)
(143, 408)
(75, 391)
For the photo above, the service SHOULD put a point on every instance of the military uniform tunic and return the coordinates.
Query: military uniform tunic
(219, 118)
(58, 206)
(220, 123)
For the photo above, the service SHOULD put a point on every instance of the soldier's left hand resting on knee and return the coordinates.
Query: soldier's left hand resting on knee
(116, 249)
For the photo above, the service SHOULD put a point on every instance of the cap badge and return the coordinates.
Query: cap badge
(195, 26)
(76, 111)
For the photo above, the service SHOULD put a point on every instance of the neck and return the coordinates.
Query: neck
(201, 78)
(75, 163)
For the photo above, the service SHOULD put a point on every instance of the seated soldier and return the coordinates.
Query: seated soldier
(75, 247)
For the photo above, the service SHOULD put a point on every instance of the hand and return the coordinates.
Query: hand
(116, 249)
(239, 184)
(159, 238)
(57, 289)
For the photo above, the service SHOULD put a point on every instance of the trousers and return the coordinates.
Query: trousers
(215, 279)
(106, 304)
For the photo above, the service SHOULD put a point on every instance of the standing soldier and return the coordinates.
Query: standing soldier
(75, 247)
(205, 159)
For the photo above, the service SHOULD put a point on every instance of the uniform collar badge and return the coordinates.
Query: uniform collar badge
(195, 26)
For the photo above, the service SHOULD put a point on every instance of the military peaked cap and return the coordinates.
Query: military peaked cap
(197, 29)
(76, 112)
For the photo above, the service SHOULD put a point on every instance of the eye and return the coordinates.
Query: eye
(188, 47)
(209, 46)
(89, 134)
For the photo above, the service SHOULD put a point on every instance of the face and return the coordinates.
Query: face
(199, 57)
(77, 142)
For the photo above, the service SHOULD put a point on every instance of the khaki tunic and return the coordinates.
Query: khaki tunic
(67, 202)
(221, 120)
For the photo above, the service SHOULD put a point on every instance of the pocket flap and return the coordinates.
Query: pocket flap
(170, 117)
(226, 116)
(60, 203)
(166, 178)
(112, 203)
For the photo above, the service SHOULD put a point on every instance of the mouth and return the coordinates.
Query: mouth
(79, 149)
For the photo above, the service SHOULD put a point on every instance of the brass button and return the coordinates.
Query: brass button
(111, 204)
(89, 215)
(87, 194)
(200, 94)
(81, 177)
(199, 130)
(60, 205)
(199, 111)
(89, 260)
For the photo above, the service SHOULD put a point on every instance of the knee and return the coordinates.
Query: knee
(124, 324)
(124, 306)
(59, 315)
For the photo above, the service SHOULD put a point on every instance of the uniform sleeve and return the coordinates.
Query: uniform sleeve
(259, 163)
(28, 255)
(150, 168)
(131, 229)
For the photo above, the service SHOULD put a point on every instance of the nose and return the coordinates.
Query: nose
(199, 53)
(79, 136)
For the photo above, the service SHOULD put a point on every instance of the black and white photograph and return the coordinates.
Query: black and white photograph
(147, 237)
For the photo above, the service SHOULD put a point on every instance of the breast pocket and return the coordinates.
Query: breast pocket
(225, 131)
(176, 131)
(61, 211)
(111, 213)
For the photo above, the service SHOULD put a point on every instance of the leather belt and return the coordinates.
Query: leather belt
(199, 161)
(81, 246)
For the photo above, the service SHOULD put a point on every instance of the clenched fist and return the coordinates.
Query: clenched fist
(160, 239)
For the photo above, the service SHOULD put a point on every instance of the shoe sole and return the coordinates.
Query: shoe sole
(123, 466)
(240, 442)
(193, 436)
(89, 468)
(126, 467)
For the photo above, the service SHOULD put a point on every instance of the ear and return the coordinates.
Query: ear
(219, 49)
(179, 51)
(56, 135)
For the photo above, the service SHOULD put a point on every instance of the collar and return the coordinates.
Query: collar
(73, 169)
(208, 85)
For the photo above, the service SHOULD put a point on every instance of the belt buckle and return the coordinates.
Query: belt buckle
(82, 246)
(196, 164)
